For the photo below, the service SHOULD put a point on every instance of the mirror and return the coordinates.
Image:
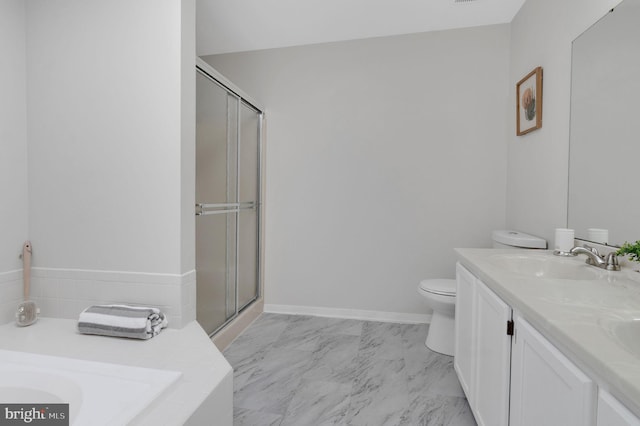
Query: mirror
(605, 143)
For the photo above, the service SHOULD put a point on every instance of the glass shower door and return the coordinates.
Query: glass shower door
(228, 138)
(248, 232)
(216, 194)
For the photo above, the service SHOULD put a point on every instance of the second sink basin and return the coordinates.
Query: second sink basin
(626, 334)
(546, 266)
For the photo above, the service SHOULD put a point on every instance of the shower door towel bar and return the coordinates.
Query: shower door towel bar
(203, 209)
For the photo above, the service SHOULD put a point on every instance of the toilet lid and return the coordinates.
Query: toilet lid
(446, 287)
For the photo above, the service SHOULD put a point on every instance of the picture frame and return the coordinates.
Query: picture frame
(529, 102)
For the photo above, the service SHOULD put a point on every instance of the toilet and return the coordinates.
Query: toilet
(440, 294)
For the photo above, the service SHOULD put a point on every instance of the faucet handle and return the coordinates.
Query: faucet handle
(612, 263)
(592, 249)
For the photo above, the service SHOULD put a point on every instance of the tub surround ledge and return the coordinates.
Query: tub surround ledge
(204, 392)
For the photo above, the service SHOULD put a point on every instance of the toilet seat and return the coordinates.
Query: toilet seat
(442, 287)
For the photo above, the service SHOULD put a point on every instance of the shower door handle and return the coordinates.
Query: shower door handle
(203, 209)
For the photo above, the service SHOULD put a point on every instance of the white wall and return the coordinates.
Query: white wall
(13, 153)
(383, 155)
(188, 136)
(104, 111)
(13, 134)
(111, 141)
(541, 35)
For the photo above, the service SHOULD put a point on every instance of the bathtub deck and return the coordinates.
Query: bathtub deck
(204, 391)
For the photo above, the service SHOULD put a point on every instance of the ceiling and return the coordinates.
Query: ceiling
(225, 26)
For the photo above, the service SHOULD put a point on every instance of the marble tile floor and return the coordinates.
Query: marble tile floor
(312, 371)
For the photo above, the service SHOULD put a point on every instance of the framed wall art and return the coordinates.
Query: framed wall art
(529, 102)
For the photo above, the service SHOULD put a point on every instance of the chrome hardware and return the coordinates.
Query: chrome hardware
(610, 263)
(562, 253)
(203, 209)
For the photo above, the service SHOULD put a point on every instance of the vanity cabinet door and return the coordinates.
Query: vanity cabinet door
(492, 358)
(464, 353)
(482, 349)
(612, 413)
(547, 388)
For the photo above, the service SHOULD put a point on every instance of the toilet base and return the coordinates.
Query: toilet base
(440, 337)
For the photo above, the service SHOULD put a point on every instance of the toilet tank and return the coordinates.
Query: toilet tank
(505, 238)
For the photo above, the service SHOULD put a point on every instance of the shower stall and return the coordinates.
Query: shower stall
(228, 199)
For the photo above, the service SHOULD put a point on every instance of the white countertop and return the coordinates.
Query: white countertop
(188, 350)
(575, 315)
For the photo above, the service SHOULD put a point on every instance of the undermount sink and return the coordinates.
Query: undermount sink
(626, 334)
(546, 266)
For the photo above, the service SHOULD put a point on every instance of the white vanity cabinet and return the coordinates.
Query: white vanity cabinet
(493, 350)
(464, 347)
(547, 388)
(482, 349)
(612, 413)
(510, 373)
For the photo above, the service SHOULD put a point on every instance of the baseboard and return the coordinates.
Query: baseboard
(381, 316)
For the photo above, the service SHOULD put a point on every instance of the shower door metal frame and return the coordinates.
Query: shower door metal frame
(203, 209)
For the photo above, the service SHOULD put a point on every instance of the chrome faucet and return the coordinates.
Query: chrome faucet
(610, 262)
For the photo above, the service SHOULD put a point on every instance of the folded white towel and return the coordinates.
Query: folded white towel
(137, 322)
